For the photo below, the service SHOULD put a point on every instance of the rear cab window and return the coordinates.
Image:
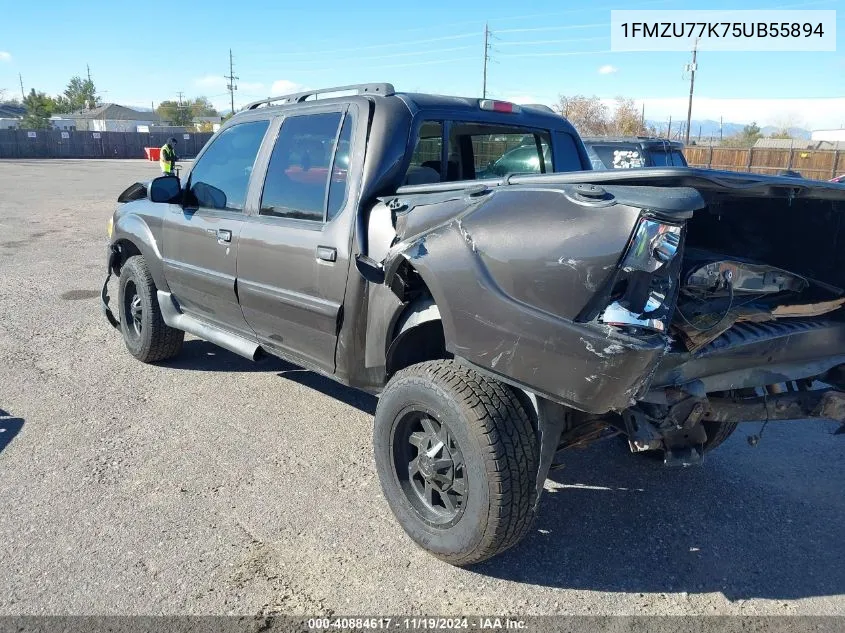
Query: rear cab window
(618, 155)
(452, 150)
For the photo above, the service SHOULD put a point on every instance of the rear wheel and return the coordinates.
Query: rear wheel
(457, 457)
(148, 338)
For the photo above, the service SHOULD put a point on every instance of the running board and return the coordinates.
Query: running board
(232, 342)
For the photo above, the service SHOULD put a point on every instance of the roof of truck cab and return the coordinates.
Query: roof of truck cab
(533, 115)
(640, 140)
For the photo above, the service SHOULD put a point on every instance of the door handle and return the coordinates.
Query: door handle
(224, 236)
(327, 253)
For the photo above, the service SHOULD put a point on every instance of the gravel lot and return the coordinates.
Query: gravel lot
(211, 485)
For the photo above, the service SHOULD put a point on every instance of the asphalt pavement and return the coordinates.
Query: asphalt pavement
(211, 485)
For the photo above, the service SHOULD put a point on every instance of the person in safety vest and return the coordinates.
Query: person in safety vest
(167, 159)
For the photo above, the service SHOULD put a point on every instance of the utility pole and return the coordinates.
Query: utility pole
(20, 78)
(486, 59)
(692, 68)
(669, 131)
(231, 86)
(642, 120)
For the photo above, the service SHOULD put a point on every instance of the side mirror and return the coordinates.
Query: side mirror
(167, 189)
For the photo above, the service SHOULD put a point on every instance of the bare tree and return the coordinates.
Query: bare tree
(588, 114)
(627, 119)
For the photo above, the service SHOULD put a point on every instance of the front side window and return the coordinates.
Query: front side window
(308, 168)
(220, 178)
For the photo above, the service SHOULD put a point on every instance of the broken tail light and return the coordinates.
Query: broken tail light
(647, 285)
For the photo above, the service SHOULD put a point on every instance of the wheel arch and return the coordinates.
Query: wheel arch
(133, 236)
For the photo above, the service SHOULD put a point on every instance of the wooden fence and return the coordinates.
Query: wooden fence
(816, 164)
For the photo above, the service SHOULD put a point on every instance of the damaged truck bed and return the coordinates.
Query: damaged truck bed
(499, 320)
(682, 300)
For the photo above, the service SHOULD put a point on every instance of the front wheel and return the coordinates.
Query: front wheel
(457, 457)
(148, 338)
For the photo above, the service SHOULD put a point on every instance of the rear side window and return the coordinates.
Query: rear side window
(303, 165)
(220, 178)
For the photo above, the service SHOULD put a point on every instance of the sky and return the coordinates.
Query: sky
(143, 54)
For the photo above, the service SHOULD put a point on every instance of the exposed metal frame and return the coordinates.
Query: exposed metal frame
(378, 89)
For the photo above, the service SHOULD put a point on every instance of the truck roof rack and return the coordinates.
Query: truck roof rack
(380, 89)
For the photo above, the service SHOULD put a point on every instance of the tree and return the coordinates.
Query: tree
(201, 106)
(627, 118)
(39, 108)
(80, 94)
(587, 114)
(746, 138)
(174, 112)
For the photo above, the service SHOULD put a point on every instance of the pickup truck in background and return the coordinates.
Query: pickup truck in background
(608, 152)
(500, 319)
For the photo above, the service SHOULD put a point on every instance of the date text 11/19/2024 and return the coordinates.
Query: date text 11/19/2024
(417, 624)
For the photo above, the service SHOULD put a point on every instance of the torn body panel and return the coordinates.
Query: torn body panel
(510, 295)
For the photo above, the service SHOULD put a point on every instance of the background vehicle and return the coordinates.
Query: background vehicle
(500, 320)
(840, 179)
(635, 151)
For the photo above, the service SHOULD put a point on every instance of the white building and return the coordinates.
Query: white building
(111, 117)
(829, 135)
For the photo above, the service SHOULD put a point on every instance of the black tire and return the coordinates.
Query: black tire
(717, 432)
(148, 338)
(494, 455)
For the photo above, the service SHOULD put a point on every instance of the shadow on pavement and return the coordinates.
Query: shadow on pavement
(9, 428)
(354, 398)
(199, 355)
(626, 524)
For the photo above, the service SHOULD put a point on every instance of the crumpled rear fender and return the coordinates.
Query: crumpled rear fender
(508, 295)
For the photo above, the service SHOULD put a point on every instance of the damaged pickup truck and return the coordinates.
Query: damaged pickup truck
(500, 320)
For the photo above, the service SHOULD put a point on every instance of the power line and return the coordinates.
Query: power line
(408, 54)
(543, 42)
(388, 45)
(231, 86)
(568, 27)
(562, 54)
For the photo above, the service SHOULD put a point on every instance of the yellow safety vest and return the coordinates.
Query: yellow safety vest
(166, 158)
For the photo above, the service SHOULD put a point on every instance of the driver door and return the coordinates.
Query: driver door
(200, 237)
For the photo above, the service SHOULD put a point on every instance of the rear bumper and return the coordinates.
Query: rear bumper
(756, 354)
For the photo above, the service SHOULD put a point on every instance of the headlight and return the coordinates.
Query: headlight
(110, 227)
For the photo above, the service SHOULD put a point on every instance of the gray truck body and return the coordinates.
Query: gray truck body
(514, 276)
